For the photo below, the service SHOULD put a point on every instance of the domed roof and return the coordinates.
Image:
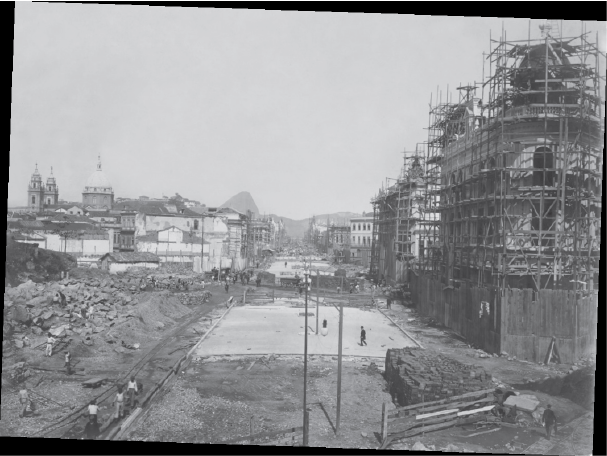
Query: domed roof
(98, 179)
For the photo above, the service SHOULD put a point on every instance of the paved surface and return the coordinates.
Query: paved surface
(279, 330)
(278, 267)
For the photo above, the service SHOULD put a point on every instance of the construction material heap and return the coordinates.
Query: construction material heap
(415, 376)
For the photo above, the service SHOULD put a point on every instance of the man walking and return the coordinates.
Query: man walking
(91, 430)
(549, 420)
(363, 336)
(93, 410)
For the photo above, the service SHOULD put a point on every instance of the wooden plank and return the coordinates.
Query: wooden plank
(440, 412)
(475, 411)
(470, 396)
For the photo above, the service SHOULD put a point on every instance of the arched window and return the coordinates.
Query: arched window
(105, 199)
(33, 199)
(543, 158)
(369, 226)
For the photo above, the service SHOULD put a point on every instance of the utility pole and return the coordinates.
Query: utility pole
(305, 436)
(339, 355)
(317, 296)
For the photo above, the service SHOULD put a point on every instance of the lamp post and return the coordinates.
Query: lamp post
(305, 436)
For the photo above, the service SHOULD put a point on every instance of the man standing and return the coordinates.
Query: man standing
(24, 400)
(49, 345)
(68, 359)
(363, 336)
(549, 419)
(131, 390)
(93, 410)
(91, 430)
(285, 264)
(227, 285)
(203, 284)
(389, 301)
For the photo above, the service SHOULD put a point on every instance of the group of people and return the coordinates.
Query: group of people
(121, 398)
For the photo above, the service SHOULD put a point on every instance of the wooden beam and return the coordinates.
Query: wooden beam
(470, 396)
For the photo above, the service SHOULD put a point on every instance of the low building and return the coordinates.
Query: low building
(173, 245)
(121, 261)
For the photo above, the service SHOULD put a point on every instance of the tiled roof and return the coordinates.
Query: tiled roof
(132, 257)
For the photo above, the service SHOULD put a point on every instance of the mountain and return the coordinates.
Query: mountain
(242, 202)
(297, 228)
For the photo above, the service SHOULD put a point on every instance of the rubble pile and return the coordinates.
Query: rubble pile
(415, 376)
(82, 305)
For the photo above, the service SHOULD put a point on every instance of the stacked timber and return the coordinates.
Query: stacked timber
(415, 376)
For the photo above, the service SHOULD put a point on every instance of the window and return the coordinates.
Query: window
(187, 224)
(105, 199)
(33, 199)
(94, 200)
(195, 224)
(359, 227)
(359, 239)
(364, 240)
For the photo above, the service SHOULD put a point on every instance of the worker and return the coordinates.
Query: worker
(389, 301)
(131, 390)
(338, 289)
(24, 400)
(68, 366)
(549, 420)
(119, 404)
(357, 288)
(93, 410)
(203, 284)
(49, 345)
(227, 285)
(91, 430)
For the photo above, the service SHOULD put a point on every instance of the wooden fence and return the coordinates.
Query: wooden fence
(519, 322)
(424, 417)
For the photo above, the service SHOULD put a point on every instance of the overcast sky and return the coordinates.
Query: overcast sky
(309, 112)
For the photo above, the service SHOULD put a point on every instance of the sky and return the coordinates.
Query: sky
(307, 111)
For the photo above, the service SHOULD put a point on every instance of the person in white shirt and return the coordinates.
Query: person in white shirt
(93, 409)
(49, 345)
(131, 389)
(24, 399)
(119, 404)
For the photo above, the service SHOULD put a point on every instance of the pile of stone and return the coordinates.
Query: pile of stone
(416, 376)
(39, 308)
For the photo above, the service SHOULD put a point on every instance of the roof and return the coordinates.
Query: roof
(132, 257)
(33, 224)
(157, 208)
(188, 238)
(70, 218)
(27, 237)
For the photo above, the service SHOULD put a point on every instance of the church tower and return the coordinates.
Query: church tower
(35, 192)
(98, 193)
(51, 193)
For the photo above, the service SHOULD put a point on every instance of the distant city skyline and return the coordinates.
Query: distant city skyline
(309, 112)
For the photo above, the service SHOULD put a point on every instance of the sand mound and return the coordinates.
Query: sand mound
(157, 310)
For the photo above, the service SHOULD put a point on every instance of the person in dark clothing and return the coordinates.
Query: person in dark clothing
(549, 420)
(227, 286)
(91, 430)
(248, 278)
(389, 302)
(363, 336)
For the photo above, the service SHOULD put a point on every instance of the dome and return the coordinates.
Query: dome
(98, 180)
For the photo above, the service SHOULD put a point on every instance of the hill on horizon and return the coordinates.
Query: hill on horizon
(242, 202)
(297, 228)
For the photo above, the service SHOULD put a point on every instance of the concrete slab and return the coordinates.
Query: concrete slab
(261, 330)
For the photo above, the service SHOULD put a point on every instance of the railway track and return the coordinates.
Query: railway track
(70, 421)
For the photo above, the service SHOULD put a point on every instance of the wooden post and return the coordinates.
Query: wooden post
(306, 428)
(384, 423)
(339, 355)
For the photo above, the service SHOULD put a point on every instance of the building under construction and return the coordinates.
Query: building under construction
(518, 179)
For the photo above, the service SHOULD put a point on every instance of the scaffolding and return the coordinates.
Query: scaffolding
(521, 176)
(405, 222)
(507, 191)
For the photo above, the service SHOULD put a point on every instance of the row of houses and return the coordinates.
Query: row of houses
(203, 236)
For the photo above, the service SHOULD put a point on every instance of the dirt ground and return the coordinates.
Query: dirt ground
(215, 401)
